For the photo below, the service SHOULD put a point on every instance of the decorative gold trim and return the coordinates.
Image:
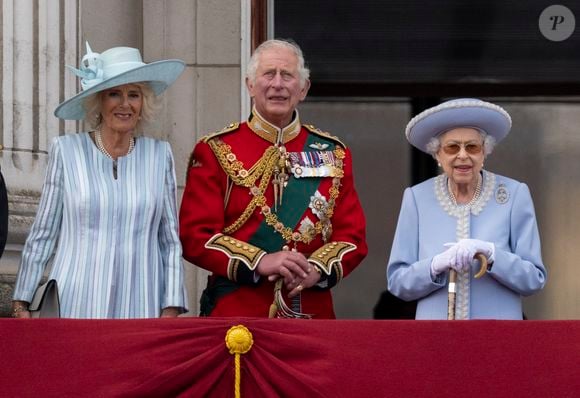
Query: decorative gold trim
(264, 169)
(239, 340)
(235, 169)
(331, 254)
(269, 132)
(248, 254)
(227, 129)
(324, 134)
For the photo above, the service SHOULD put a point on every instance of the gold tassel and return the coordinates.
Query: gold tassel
(239, 340)
(279, 309)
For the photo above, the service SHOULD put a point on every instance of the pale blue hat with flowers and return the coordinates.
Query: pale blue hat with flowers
(115, 67)
(463, 112)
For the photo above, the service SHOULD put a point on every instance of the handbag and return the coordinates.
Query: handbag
(45, 302)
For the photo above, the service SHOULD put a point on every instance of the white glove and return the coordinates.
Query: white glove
(443, 261)
(467, 248)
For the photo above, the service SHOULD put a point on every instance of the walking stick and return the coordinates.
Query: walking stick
(452, 288)
(451, 295)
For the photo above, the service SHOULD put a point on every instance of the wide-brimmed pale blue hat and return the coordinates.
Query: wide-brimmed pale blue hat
(463, 112)
(115, 67)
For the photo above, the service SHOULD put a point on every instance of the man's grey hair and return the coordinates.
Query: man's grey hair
(303, 71)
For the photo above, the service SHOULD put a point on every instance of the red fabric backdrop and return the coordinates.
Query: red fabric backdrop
(187, 357)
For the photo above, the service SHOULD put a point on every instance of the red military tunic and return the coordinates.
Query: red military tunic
(228, 219)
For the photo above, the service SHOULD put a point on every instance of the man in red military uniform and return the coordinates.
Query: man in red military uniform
(269, 205)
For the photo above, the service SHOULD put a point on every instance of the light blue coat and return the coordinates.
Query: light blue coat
(504, 215)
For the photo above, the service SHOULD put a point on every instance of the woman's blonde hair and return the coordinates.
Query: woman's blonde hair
(94, 104)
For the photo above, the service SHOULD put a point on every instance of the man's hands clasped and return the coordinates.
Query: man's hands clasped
(292, 266)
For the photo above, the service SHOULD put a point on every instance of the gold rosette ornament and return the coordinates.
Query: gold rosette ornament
(239, 340)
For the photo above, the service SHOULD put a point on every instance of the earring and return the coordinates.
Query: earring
(439, 164)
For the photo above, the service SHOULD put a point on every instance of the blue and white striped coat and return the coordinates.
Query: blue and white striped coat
(115, 241)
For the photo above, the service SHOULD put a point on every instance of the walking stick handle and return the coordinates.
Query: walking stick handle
(452, 288)
(483, 264)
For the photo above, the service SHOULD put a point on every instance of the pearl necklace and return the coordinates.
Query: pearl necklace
(101, 146)
(475, 194)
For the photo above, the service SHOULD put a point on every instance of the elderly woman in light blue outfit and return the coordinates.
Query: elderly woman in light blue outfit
(108, 207)
(445, 221)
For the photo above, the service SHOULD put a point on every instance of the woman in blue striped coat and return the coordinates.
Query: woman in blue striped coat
(107, 214)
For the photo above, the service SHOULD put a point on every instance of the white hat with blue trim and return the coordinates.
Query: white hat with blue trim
(463, 112)
(115, 67)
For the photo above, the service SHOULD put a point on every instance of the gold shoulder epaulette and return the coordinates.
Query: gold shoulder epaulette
(227, 129)
(324, 134)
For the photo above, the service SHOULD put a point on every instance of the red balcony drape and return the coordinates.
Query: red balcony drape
(187, 357)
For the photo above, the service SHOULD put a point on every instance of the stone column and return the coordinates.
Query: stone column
(208, 36)
(33, 82)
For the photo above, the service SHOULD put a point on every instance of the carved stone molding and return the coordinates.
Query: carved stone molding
(38, 38)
